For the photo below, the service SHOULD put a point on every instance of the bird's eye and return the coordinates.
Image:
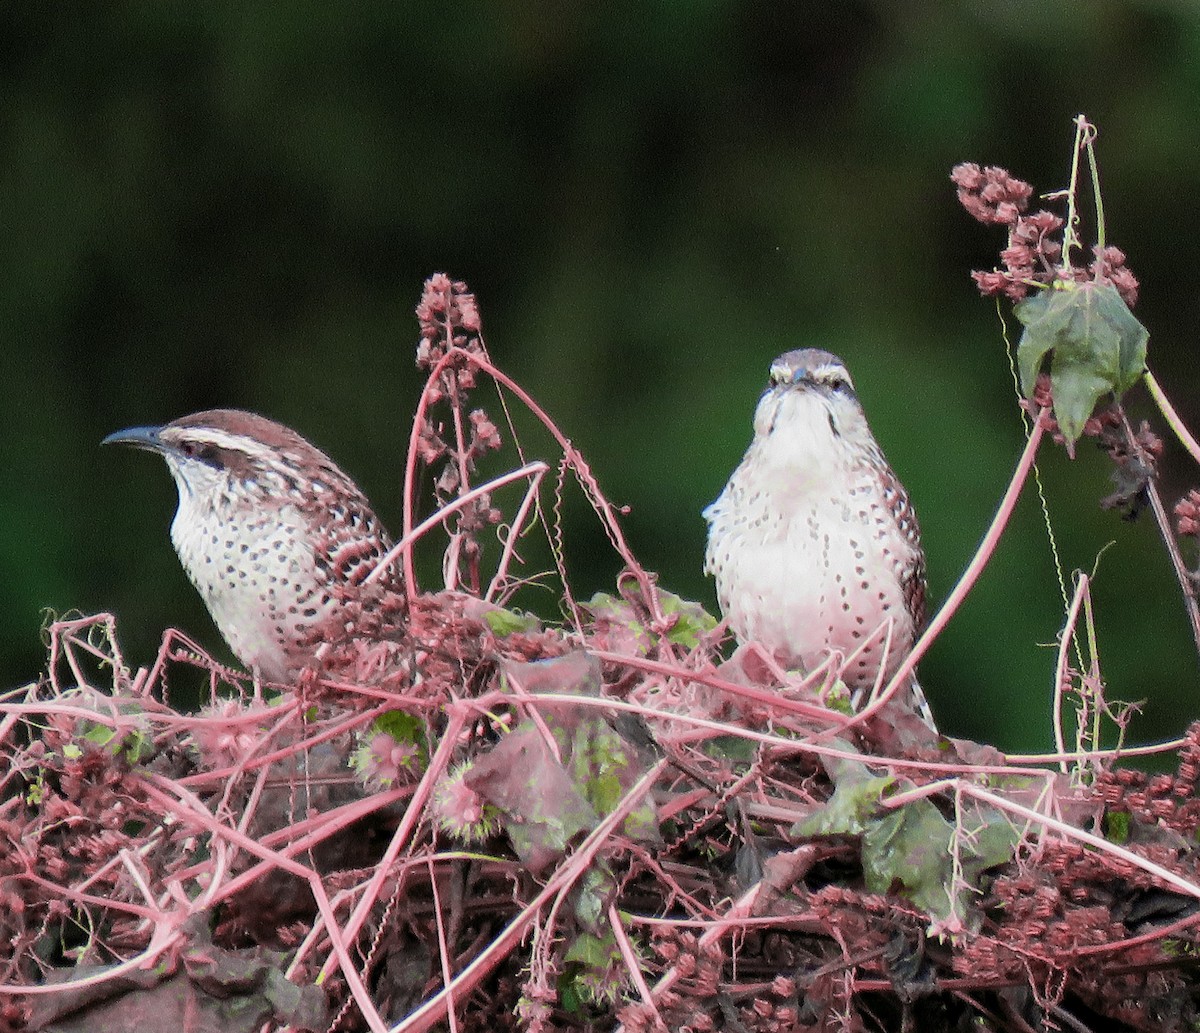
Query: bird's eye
(842, 386)
(201, 451)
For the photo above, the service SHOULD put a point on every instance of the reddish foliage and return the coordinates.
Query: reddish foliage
(535, 819)
(1134, 453)
(1032, 257)
(1187, 514)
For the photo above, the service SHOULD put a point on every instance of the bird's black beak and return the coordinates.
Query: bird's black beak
(138, 437)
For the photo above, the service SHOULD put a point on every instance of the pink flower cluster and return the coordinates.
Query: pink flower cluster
(449, 318)
(1187, 514)
(1033, 255)
(446, 305)
(991, 194)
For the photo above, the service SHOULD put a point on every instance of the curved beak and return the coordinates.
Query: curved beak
(138, 437)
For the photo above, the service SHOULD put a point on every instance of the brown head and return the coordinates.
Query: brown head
(276, 538)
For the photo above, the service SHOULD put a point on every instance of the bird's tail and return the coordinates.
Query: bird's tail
(916, 701)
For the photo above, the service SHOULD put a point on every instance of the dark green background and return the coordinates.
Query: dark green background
(226, 204)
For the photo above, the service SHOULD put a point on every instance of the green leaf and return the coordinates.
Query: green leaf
(619, 625)
(692, 620)
(1117, 825)
(593, 959)
(595, 970)
(736, 749)
(915, 846)
(591, 951)
(593, 894)
(545, 797)
(615, 626)
(401, 726)
(854, 804)
(604, 766)
(135, 744)
(910, 845)
(936, 863)
(507, 622)
(1097, 344)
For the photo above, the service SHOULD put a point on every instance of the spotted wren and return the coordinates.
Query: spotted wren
(814, 544)
(275, 537)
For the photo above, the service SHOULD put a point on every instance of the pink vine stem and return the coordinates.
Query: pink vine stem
(603, 507)
(974, 569)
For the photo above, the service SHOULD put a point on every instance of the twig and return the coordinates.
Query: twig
(1061, 671)
(514, 531)
(433, 1010)
(978, 562)
(1161, 518)
(413, 814)
(443, 949)
(579, 465)
(633, 966)
(1174, 420)
(170, 795)
(535, 470)
(1190, 889)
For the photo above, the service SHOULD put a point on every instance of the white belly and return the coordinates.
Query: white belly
(804, 574)
(257, 581)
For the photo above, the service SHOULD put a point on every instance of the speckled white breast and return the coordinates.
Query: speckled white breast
(805, 552)
(257, 577)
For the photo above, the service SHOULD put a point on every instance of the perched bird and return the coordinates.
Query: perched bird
(277, 539)
(814, 544)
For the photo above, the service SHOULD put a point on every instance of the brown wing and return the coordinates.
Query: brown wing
(912, 576)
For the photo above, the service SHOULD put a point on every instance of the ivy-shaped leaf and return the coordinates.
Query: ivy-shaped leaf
(936, 863)
(1098, 346)
(616, 626)
(693, 620)
(507, 622)
(546, 797)
(619, 626)
(854, 804)
(914, 846)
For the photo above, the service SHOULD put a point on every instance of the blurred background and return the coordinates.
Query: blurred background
(236, 205)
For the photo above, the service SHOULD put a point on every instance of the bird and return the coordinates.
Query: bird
(813, 543)
(278, 541)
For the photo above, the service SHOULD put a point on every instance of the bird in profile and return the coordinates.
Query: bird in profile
(813, 544)
(276, 538)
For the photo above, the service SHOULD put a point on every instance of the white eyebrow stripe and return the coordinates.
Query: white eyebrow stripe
(213, 436)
